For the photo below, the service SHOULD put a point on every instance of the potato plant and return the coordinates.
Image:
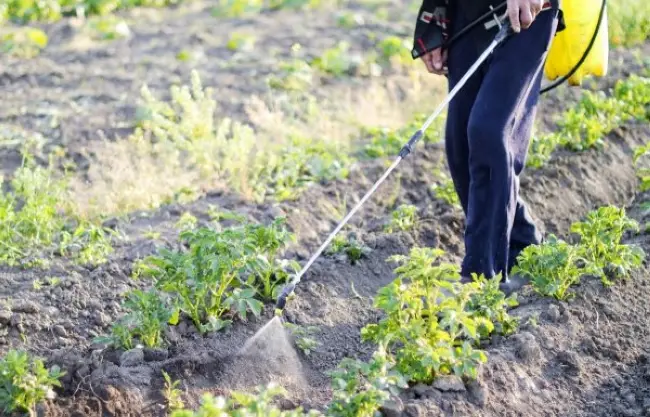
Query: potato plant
(360, 388)
(552, 267)
(432, 322)
(224, 273)
(404, 218)
(242, 404)
(600, 243)
(25, 382)
(147, 315)
(351, 247)
(642, 165)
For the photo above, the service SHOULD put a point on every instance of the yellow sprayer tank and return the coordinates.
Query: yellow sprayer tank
(569, 45)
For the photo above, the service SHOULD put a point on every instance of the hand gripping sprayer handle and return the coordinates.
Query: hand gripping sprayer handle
(504, 32)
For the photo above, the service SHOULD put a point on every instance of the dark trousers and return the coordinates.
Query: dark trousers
(488, 130)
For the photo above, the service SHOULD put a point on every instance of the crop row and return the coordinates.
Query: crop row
(432, 324)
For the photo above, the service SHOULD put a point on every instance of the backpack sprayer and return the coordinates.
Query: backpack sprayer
(505, 30)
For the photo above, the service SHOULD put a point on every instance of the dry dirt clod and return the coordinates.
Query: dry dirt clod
(527, 347)
(392, 408)
(478, 394)
(414, 410)
(27, 307)
(449, 383)
(553, 313)
(5, 317)
(132, 357)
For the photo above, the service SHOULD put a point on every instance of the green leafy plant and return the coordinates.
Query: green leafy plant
(36, 220)
(428, 324)
(201, 279)
(404, 218)
(25, 382)
(240, 41)
(267, 272)
(585, 125)
(293, 75)
(361, 388)
(384, 141)
(23, 42)
(336, 61)
(301, 163)
(351, 247)
(552, 267)
(303, 336)
(542, 148)
(491, 303)
(634, 95)
(642, 165)
(147, 315)
(171, 393)
(241, 404)
(600, 243)
(445, 190)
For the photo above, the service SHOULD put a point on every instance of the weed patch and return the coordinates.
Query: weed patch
(36, 222)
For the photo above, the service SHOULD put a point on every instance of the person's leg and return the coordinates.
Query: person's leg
(511, 76)
(524, 231)
(460, 58)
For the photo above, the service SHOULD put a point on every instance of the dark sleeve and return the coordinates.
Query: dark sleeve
(431, 27)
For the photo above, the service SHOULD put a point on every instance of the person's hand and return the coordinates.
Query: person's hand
(436, 61)
(523, 12)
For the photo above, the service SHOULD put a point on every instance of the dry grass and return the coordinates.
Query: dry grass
(195, 154)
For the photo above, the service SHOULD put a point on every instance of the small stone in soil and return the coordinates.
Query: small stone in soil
(527, 347)
(414, 410)
(553, 313)
(101, 319)
(449, 383)
(5, 317)
(132, 357)
(392, 408)
(59, 330)
(28, 307)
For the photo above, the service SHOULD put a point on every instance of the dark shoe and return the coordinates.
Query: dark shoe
(513, 284)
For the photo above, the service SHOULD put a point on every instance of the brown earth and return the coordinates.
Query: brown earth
(586, 357)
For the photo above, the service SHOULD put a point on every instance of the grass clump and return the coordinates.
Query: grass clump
(181, 149)
(293, 75)
(25, 382)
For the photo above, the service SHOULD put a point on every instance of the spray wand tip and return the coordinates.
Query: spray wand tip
(282, 299)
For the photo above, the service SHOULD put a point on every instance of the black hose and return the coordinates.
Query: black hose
(584, 56)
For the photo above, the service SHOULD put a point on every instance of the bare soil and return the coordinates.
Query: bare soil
(587, 357)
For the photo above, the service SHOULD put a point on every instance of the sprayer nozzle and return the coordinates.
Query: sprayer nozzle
(282, 299)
